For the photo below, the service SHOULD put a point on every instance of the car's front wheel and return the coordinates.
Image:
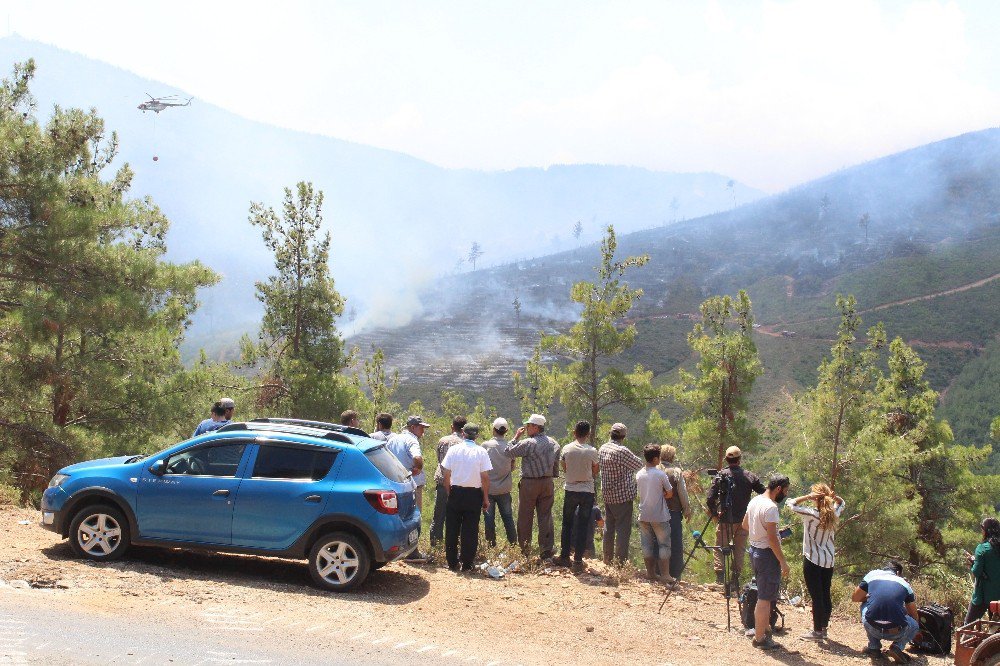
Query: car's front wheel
(99, 532)
(339, 561)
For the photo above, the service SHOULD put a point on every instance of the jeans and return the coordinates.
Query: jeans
(501, 502)
(577, 506)
(437, 520)
(536, 496)
(655, 539)
(676, 543)
(818, 581)
(462, 522)
(617, 531)
(900, 638)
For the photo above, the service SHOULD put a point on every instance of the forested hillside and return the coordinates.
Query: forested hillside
(914, 236)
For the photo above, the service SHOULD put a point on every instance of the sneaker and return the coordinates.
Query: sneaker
(720, 578)
(667, 579)
(578, 567)
(898, 655)
(875, 654)
(813, 636)
(562, 562)
(766, 644)
(750, 633)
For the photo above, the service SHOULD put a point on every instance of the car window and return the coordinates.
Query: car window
(217, 460)
(286, 462)
(388, 464)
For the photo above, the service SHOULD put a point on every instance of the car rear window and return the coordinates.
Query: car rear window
(286, 462)
(388, 464)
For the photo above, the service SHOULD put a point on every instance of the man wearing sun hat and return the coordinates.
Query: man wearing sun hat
(540, 454)
(618, 466)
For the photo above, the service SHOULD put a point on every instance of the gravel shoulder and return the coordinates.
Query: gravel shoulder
(161, 605)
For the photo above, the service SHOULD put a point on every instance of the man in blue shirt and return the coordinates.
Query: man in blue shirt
(888, 611)
(222, 414)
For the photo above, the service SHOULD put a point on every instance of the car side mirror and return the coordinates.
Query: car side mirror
(158, 468)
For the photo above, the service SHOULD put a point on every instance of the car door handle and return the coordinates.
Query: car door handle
(221, 493)
(314, 498)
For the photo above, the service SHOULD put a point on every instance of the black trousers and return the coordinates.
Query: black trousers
(577, 507)
(818, 582)
(461, 519)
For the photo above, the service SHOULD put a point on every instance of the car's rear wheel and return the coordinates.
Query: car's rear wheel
(99, 532)
(339, 561)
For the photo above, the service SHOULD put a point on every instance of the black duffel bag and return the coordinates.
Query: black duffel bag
(936, 625)
(748, 602)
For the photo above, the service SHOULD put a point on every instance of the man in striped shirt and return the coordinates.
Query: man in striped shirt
(536, 491)
(618, 466)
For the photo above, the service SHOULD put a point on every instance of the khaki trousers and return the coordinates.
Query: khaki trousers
(536, 496)
(724, 532)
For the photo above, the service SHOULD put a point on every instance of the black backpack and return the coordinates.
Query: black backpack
(936, 624)
(748, 602)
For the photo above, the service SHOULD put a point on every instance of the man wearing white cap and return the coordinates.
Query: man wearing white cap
(618, 466)
(501, 483)
(222, 414)
(536, 491)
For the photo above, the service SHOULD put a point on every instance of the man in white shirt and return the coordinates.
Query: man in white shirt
(467, 482)
(384, 423)
(654, 514)
(769, 564)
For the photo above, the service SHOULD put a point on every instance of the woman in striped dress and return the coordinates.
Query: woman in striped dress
(819, 530)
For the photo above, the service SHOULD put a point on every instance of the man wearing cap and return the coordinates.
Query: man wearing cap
(222, 413)
(501, 483)
(580, 463)
(536, 491)
(727, 504)
(467, 482)
(618, 466)
(405, 445)
(440, 496)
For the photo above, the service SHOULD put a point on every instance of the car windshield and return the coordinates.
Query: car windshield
(388, 465)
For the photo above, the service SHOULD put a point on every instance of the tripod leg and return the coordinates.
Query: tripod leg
(699, 542)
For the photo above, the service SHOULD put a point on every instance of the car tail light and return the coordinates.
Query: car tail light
(383, 501)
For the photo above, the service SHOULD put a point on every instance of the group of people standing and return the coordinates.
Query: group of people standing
(476, 479)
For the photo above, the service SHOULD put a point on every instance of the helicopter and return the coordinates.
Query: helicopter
(157, 104)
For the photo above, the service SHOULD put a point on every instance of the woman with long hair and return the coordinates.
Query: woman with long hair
(986, 570)
(819, 529)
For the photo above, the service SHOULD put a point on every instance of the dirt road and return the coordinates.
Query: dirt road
(158, 607)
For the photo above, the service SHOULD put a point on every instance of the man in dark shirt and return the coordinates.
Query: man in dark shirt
(727, 503)
(888, 611)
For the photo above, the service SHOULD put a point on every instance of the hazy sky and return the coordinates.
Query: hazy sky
(771, 93)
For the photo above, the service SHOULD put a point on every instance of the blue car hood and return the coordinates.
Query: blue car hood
(100, 462)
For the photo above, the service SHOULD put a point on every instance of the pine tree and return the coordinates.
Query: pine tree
(837, 406)
(586, 383)
(90, 313)
(300, 352)
(716, 395)
(577, 230)
(475, 252)
(381, 385)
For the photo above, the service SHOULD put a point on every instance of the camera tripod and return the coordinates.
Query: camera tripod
(727, 558)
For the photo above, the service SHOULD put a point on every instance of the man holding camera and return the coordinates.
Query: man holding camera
(727, 503)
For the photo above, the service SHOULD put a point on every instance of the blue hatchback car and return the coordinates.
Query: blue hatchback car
(278, 487)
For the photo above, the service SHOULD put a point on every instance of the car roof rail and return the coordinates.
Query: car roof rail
(298, 428)
(235, 425)
(321, 425)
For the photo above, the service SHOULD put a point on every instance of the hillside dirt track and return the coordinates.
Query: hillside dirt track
(411, 613)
